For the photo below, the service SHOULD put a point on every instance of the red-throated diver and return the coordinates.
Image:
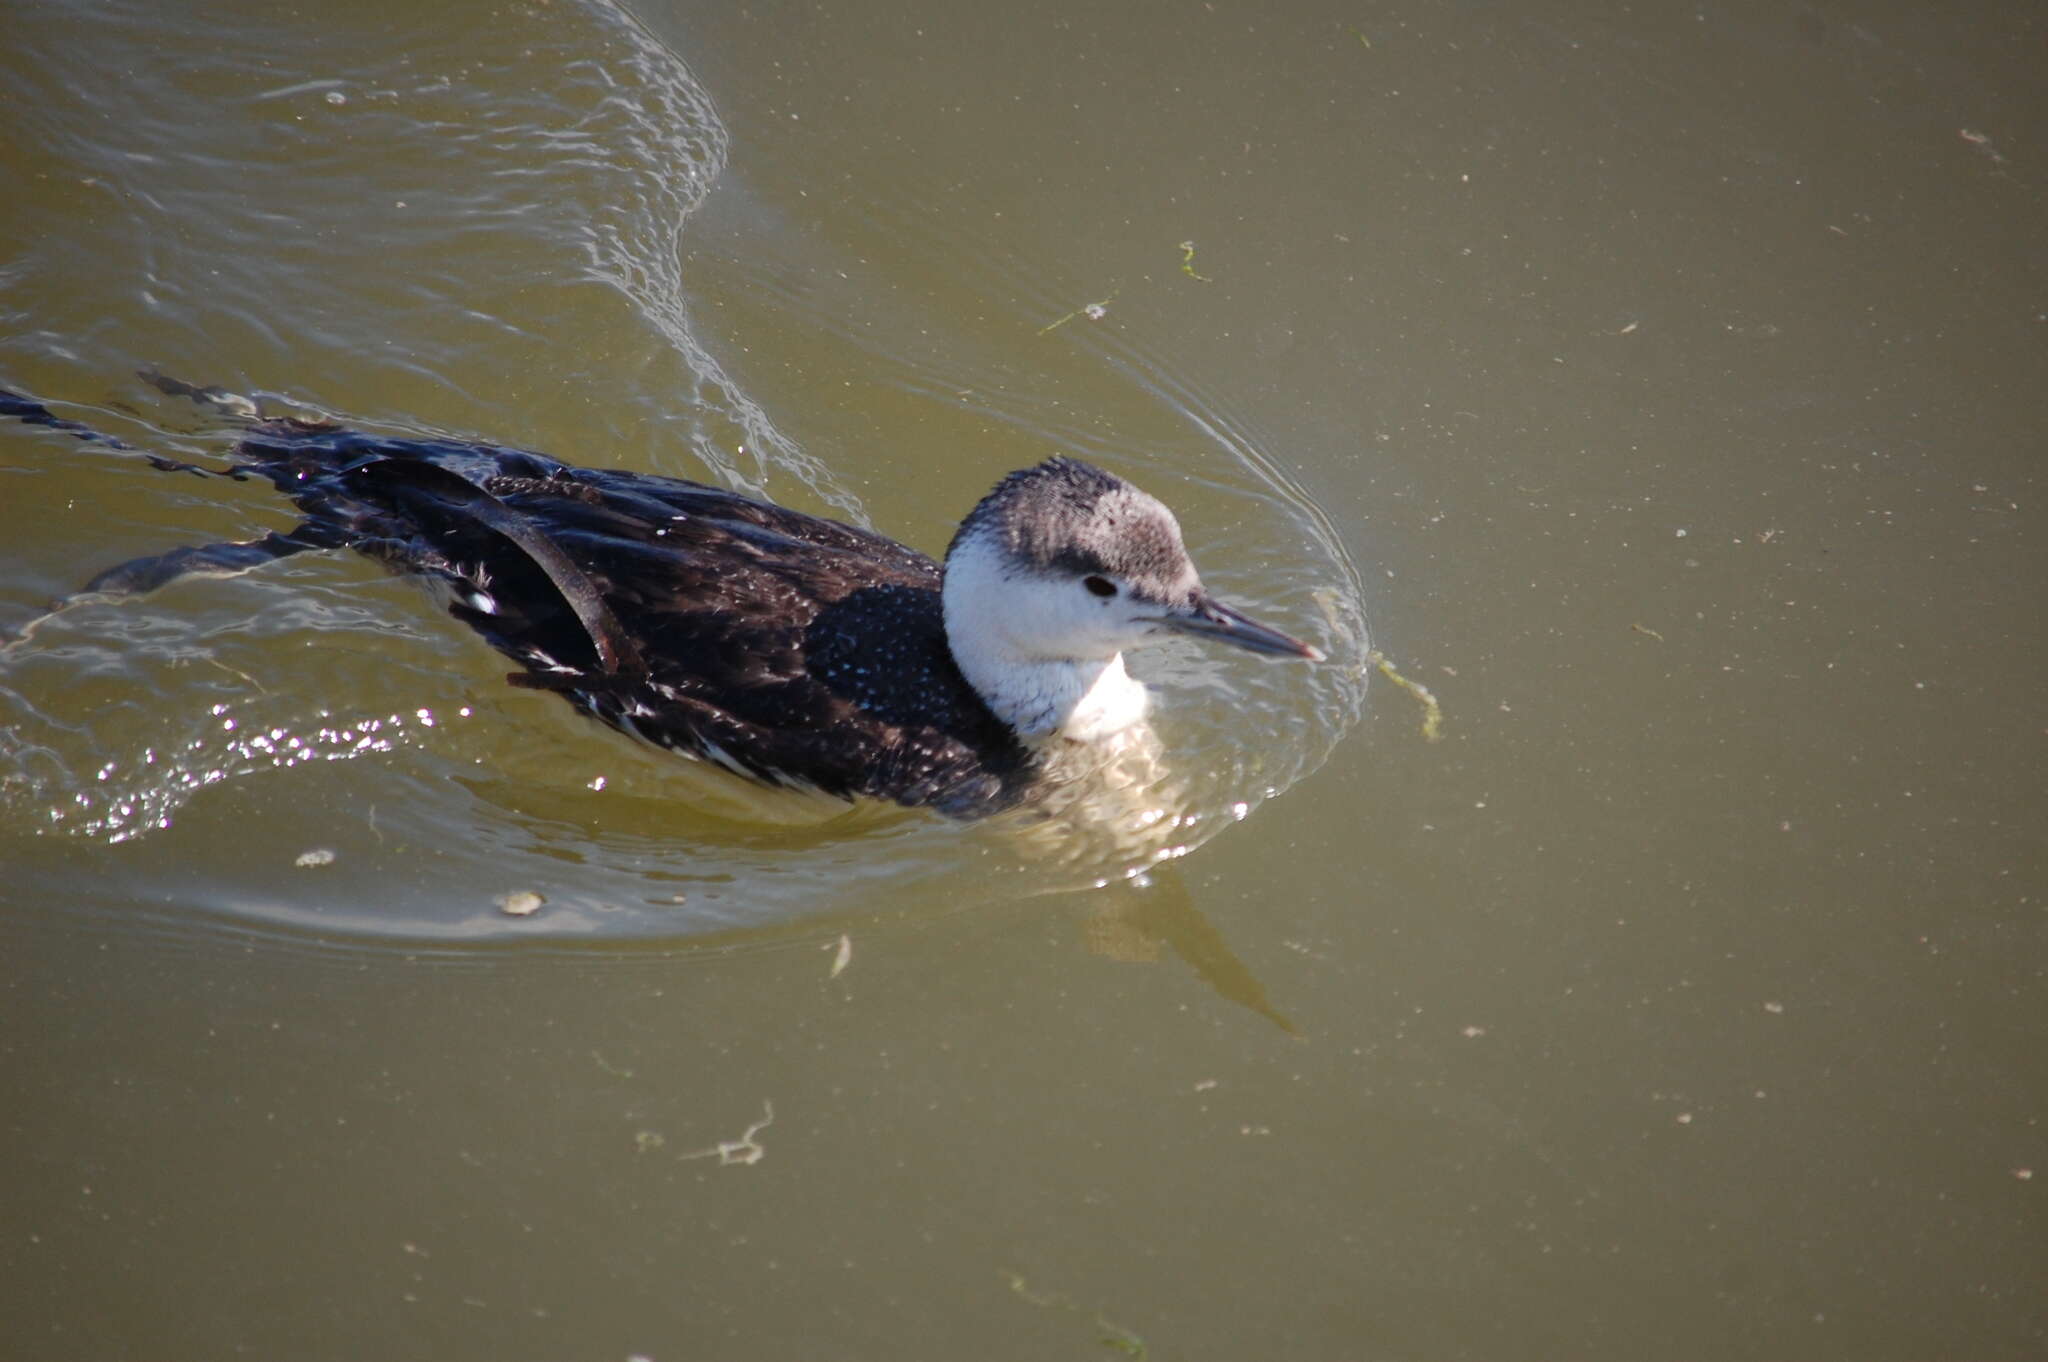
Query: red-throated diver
(794, 650)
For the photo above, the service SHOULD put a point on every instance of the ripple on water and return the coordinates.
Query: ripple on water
(467, 247)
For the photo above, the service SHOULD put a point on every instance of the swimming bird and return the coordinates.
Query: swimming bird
(793, 650)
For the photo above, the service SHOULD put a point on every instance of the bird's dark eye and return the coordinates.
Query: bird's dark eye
(1100, 586)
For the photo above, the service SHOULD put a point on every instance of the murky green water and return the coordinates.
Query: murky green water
(1666, 390)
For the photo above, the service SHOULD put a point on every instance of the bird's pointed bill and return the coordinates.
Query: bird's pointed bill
(1210, 618)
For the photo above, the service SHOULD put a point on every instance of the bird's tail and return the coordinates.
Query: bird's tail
(31, 412)
(146, 574)
(28, 411)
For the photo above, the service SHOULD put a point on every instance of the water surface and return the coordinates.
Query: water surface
(1673, 381)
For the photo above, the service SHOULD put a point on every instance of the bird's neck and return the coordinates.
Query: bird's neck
(1085, 700)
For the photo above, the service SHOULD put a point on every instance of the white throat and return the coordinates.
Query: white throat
(1037, 672)
(1083, 701)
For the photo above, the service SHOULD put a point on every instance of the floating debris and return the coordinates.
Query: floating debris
(1432, 712)
(318, 856)
(1115, 1336)
(746, 1149)
(1110, 1334)
(1187, 263)
(843, 958)
(1094, 312)
(1646, 629)
(1982, 142)
(303, 87)
(521, 903)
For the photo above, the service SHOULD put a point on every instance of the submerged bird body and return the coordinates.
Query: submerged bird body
(790, 649)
